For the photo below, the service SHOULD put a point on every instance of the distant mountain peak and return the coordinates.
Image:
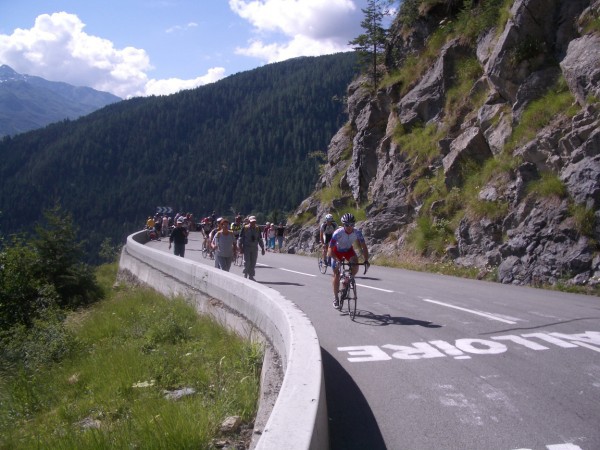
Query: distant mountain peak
(28, 102)
(8, 74)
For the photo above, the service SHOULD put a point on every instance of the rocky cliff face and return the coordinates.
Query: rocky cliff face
(456, 164)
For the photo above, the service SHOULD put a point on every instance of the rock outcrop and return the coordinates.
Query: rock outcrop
(514, 195)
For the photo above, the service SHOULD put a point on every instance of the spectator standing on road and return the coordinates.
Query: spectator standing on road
(265, 233)
(165, 226)
(224, 245)
(250, 239)
(280, 235)
(179, 238)
(158, 225)
(150, 223)
(271, 237)
(236, 227)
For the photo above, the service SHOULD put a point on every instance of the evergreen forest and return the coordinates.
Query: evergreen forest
(252, 142)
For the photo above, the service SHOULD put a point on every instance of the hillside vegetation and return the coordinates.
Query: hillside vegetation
(479, 150)
(251, 142)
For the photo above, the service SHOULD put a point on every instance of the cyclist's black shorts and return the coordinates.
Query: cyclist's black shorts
(328, 238)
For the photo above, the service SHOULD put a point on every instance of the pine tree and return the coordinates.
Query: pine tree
(371, 44)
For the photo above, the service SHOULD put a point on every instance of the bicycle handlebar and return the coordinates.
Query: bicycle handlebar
(367, 264)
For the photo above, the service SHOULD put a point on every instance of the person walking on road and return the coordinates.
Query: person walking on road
(250, 240)
(179, 237)
(165, 226)
(280, 236)
(224, 245)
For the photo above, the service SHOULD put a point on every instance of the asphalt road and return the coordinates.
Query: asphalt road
(437, 362)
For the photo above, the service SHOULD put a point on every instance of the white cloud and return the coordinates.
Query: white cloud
(309, 27)
(56, 48)
(172, 85)
(181, 27)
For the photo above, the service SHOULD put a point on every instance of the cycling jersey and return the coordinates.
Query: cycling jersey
(342, 241)
(328, 228)
(236, 228)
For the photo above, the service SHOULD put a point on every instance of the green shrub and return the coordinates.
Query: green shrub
(108, 252)
(34, 347)
(420, 146)
(44, 271)
(302, 219)
(585, 219)
(590, 23)
(332, 192)
(431, 236)
(480, 176)
(540, 112)
(492, 210)
(467, 71)
(549, 184)
(117, 378)
(470, 23)
(526, 49)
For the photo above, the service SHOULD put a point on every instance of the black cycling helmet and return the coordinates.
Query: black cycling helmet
(348, 219)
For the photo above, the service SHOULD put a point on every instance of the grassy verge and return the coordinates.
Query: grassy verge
(109, 389)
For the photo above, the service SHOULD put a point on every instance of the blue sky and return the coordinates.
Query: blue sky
(145, 47)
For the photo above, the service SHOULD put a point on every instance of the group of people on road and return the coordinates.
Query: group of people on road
(226, 239)
(161, 225)
(274, 233)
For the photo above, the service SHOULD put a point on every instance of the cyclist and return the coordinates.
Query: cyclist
(236, 227)
(206, 228)
(340, 248)
(325, 232)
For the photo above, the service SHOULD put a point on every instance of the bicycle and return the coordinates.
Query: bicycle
(206, 251)
(323, 263)
(348, 286)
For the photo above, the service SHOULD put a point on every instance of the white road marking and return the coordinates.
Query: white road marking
(464, 348)
(482, 314)
(371, 287)
(300, 273)
(591, 347)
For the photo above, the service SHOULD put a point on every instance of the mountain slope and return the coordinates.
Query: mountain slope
(480, 150)
(28, 102)
(246, 143)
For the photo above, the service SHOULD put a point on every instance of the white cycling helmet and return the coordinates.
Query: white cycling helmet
(328, 218)
(348, 219)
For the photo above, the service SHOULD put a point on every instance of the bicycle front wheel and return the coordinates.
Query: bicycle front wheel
(322, 266)
(204, 252)
(351, 300)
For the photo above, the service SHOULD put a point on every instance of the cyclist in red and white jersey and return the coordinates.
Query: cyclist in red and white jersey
(341, 247)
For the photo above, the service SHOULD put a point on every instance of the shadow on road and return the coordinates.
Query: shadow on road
(351, 422)
(379, 320)
(358, 277)
(279, 283)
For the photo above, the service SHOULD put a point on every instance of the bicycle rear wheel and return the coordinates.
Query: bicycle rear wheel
(351, 299)
(322, 266)
(343, 292)
(204, 252)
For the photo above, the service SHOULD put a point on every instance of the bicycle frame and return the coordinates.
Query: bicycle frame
(348, 286)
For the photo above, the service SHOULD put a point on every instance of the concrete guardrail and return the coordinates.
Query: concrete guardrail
(298, 419)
